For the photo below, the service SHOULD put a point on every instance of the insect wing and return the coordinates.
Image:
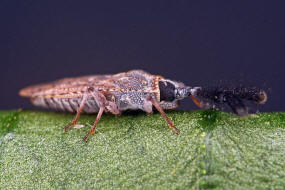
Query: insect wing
(66, 86)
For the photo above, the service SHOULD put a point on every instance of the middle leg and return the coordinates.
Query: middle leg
(104, 104)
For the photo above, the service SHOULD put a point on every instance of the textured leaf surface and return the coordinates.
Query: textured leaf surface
(213, 151)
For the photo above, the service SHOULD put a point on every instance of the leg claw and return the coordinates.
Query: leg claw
(67, 127)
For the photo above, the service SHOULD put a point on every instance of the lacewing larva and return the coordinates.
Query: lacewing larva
(132, 90)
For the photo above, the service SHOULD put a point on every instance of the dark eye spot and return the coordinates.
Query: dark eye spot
(167, 91)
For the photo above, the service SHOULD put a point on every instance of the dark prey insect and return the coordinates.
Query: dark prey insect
(133, 90)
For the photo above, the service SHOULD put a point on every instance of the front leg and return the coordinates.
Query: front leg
(151, 101)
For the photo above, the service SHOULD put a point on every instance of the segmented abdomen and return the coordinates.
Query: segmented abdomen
(66, 104)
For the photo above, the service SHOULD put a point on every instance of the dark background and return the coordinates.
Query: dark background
(197, 42)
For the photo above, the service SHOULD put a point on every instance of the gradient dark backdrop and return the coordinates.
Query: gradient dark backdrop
(196, 42)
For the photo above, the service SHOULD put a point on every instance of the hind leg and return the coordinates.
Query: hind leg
(79, 110)
(100, 98)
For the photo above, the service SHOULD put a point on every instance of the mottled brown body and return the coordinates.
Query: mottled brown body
(131, 90)
(128, 90)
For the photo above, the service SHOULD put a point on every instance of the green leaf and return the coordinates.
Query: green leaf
(214, 150)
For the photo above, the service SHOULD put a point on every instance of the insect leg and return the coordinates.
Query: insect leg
(101, 100)
(79, 110)
(95, 124)
(237, 105)
(169, 122)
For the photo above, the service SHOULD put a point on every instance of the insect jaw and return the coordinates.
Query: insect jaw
(262, 97)
(193, 91)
